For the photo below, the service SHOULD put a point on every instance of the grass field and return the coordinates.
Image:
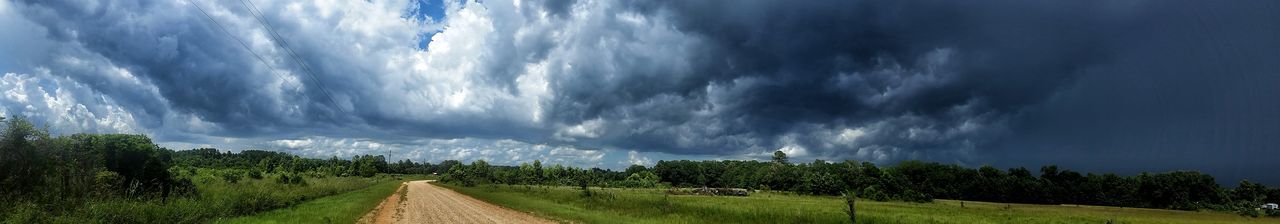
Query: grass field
(342, 208)
(653, 206)
(218, 199)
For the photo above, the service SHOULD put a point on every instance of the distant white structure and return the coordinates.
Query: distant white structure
(1271, 206)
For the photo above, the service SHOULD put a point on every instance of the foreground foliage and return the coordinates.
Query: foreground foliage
(216, 199)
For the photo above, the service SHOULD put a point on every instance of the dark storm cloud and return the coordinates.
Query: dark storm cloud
(854, 63)
(192, 65)
(1193, 86)
(1102, 85)
(558, 7)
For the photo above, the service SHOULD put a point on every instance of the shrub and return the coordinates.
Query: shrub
(642, 179)
(291, 179)
(582, 185)
(850, 200)
(108, 182)
(231, 176)
(255, 174)
(819, 183)
(25, 213)
(183, 187)
(915, 196)
(874, 193)
(1247, 211)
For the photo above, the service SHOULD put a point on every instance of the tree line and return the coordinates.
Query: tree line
(913, 181)
(249, 162)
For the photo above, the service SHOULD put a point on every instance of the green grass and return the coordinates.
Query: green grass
(653, 206)
(342, 208)
(216, 199)
(219, 199)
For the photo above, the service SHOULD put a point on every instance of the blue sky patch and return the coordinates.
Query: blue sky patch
(433, 9)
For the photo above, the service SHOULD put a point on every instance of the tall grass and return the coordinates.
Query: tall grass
(341, 208)
(216, 199)
(612, 205)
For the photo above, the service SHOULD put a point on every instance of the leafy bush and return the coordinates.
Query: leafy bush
(1250, 212)
(850, 201)
(255, 174)
(470, 175)
(290, 179)
(820, 183)
(108, 182)
(230, 176)
(641, 179)
(874, 193)
(184, 187)
(25, 213)
(915, 196)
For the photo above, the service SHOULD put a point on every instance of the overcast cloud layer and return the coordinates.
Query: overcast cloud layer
(1096, 86)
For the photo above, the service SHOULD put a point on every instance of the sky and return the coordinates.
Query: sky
(1092, 86)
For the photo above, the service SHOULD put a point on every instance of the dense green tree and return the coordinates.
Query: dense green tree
(820, 183)
(22, 164)
(635, 168)
(780, 157)
(143, 166)
(1185, 190)
(447, 165)
(1251, 192)
(538, 176)
(641, 179)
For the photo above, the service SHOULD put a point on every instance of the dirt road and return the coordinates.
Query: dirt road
(426, 203)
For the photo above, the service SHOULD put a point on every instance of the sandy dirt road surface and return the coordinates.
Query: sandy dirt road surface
(427, 203)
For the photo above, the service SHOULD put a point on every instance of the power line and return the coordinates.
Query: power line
(264, 60)
(279, 39)
(246, 46)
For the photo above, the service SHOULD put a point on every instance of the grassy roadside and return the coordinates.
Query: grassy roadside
(216, 199)
(340, 208)
(652, 206)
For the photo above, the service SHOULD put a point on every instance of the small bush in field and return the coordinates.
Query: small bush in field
(1250, 212)
(184, 187)
(874, 193)
(255, 174)
(231, 176)
(850, 200)
(291, 179)
(915, 196)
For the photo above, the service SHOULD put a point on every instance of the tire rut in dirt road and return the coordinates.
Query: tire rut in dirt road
(427, 203)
